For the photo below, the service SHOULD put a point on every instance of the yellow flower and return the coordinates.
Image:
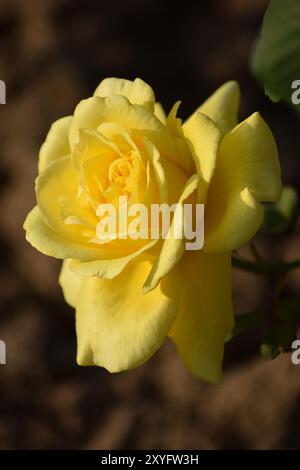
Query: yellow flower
(130, 294)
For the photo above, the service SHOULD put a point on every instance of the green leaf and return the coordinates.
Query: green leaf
(269, 350)
(278, 340)
(276, 58)
(279, 216)
(246, 322)
(270, 94)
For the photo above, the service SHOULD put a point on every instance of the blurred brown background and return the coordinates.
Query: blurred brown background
(53, 53)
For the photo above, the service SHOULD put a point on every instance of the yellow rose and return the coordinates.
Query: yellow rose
(130, 294)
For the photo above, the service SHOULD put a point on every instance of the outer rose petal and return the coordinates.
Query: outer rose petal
(56, 144)
(205, 316)
(137, 91)
(118, 327)
(92, 112)
(247, 172)
(109, 268)
(60, 180)
(83, 260)
(172, 248)
(49, 242)
(160, 112)
(70, 283)
(170, 177)
(159, 173)
(174, 123)
(203, 138)
(141, 123)
(222, 106)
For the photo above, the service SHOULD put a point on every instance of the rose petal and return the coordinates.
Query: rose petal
(247, 172)
(70, 283)
(205, 315)
(118, 327)
(222, 106)
(56, 144)
(203, 138)
(137, 91)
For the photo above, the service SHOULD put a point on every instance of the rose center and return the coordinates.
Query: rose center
(119, 171)
(122, 176)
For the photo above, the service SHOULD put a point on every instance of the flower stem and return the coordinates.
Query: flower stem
(267, 269)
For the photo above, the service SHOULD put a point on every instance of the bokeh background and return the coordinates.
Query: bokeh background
(53, 53)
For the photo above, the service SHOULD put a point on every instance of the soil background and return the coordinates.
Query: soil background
(53, 53)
